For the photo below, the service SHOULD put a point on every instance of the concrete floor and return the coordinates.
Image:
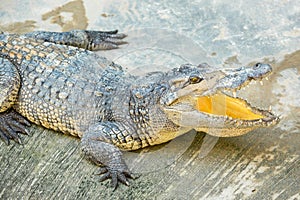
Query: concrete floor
(263, 164)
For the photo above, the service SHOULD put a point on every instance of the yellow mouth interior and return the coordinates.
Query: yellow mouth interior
(221, 104)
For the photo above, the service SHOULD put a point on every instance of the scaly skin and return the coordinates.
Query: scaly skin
(72, 90)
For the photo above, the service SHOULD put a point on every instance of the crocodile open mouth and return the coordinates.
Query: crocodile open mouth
(234, 108)
(221, 104)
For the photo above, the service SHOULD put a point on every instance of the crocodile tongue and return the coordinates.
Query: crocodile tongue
(223, 105)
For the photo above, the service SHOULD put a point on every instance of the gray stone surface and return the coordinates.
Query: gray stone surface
(263, 164)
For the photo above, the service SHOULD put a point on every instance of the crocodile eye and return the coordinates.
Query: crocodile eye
(195, 79)
(257, 65)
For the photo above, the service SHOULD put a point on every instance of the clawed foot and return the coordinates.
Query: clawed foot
(11, 124)
(116, 175)
(107, 156)
(105, 40)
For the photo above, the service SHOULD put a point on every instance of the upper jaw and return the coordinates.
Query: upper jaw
(215, 80)
(235, 79)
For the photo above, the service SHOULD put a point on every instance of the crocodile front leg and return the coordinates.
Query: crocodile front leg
(90, 40)
(11, 123)
(98, 144)
(9, 84)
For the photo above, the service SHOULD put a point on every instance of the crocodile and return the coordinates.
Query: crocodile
(55, 80)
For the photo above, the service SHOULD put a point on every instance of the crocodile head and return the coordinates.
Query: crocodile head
(198, 97)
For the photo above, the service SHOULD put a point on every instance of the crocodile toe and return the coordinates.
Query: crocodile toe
(116, 175)
(11, 125)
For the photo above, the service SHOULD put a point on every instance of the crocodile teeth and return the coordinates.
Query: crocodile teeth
(229, 118)
(270, 108)
(261, 83)
(267, 78)
(234, 94)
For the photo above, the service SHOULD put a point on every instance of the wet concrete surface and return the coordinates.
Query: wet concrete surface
(264, 164)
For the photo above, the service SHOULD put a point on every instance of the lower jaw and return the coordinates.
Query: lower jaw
(226, 132)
